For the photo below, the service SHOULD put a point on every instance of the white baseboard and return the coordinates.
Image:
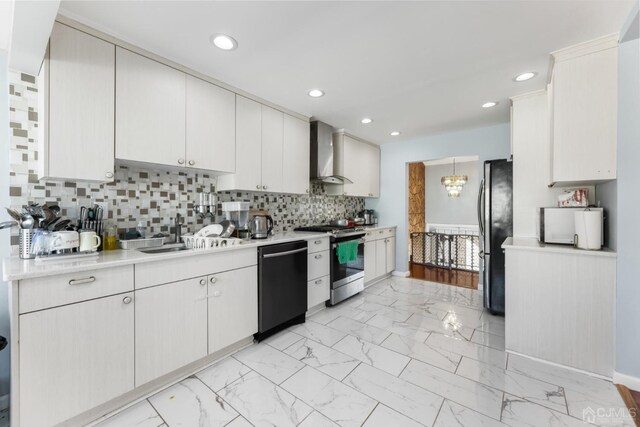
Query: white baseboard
(630, 382)
(400, 273)
(560, 365)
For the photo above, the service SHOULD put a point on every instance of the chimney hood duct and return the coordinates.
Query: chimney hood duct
(322, 169)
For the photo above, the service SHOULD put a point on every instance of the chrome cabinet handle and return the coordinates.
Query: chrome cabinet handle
(264, 187)
(381, 231)
(203, 281)
(109, 174)
(318, 256)
(192, 162)
(89, 279)
(317, 282)
(213, 280)
(307, 191)
(180, 161)
(127, 300)
(317, 242)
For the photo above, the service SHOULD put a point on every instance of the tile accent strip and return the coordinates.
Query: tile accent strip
(141, 194)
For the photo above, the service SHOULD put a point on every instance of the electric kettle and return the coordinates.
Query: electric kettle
(260, 226)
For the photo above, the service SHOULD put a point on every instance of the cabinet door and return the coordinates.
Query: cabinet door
(74, 357)
(295, 156)
(585, 117)
(81, 100)
(272, 145)
(171, 327)
(373, 171)
(355, 167)
(150, 110)
(381, 258)
(248, 175)
(391, 254)
(370, 261)
(233, 307)
(211, 127)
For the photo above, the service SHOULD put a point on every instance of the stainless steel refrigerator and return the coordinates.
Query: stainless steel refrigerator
(495, 218)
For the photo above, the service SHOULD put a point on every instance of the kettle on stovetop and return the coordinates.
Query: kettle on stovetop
(260, 226)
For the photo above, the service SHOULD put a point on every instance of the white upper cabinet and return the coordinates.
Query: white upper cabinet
(272, 151)
(359, 162)
(296, 156)
(150, 110)
(272, 139)
(248, 165)
(210, 127)
(584, 113)
(77, 120)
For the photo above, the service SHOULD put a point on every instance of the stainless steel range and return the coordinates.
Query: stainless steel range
(346, 279)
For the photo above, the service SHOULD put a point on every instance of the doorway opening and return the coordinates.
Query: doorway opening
(444, 241)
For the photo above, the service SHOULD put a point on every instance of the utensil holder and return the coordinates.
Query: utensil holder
(26, 240)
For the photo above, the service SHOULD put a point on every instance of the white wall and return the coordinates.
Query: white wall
(4, 234)
(491, 142)
(628, 239)
(442, 209)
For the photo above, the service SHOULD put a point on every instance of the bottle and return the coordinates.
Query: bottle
(141, 229)
(110, 237)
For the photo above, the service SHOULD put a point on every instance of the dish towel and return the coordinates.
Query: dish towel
(347, 251)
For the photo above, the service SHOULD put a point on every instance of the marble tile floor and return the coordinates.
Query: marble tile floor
(392, 356)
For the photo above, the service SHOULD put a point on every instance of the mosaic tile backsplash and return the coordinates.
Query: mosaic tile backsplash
(154, 197)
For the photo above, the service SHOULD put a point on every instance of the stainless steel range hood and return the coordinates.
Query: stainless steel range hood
(322, 168)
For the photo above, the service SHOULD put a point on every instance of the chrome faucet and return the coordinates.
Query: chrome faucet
(179, 222)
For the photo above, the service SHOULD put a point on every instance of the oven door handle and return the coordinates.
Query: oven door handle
(360, 242)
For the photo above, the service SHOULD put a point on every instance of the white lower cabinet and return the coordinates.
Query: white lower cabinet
(390, 254)
(381, 257)
(369, 261)
(171, 327)
(318, 291)
(379, 253)
(75, 357)
(232, 307)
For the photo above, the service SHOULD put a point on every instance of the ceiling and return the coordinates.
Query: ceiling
(417, 67)
(449, 160)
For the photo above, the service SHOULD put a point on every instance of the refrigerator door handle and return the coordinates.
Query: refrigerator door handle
(480, 207)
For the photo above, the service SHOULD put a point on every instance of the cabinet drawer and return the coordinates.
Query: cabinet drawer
(318, 265)
(379, 233)
(318, 245)
(52, 291)
(318, 291)
(157, 273)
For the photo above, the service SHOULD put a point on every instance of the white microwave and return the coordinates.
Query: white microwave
(557, 225)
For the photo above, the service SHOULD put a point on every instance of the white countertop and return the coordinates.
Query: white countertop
(532, 244)
(15, 268)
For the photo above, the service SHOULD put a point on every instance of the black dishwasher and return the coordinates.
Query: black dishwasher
(282, 287)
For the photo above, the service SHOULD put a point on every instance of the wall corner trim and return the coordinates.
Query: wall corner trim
(628, 381)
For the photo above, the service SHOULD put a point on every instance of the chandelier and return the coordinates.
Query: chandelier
(454, 183)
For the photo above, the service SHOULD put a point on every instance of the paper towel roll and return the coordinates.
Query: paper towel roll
(588, 228)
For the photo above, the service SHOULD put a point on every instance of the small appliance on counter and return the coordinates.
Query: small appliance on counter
(238, 213)
(369, 216)
(260, 226)
(558, 225)
(588, 228)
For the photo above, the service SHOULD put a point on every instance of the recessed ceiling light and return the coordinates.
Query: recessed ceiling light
(395, 133)
(489, 104)
(223, 41)
(316, 93)
(366, 120)
(525, 76)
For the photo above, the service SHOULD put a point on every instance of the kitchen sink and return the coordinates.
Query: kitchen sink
(164, 249)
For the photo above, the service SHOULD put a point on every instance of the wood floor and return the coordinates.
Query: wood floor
(464, 279)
